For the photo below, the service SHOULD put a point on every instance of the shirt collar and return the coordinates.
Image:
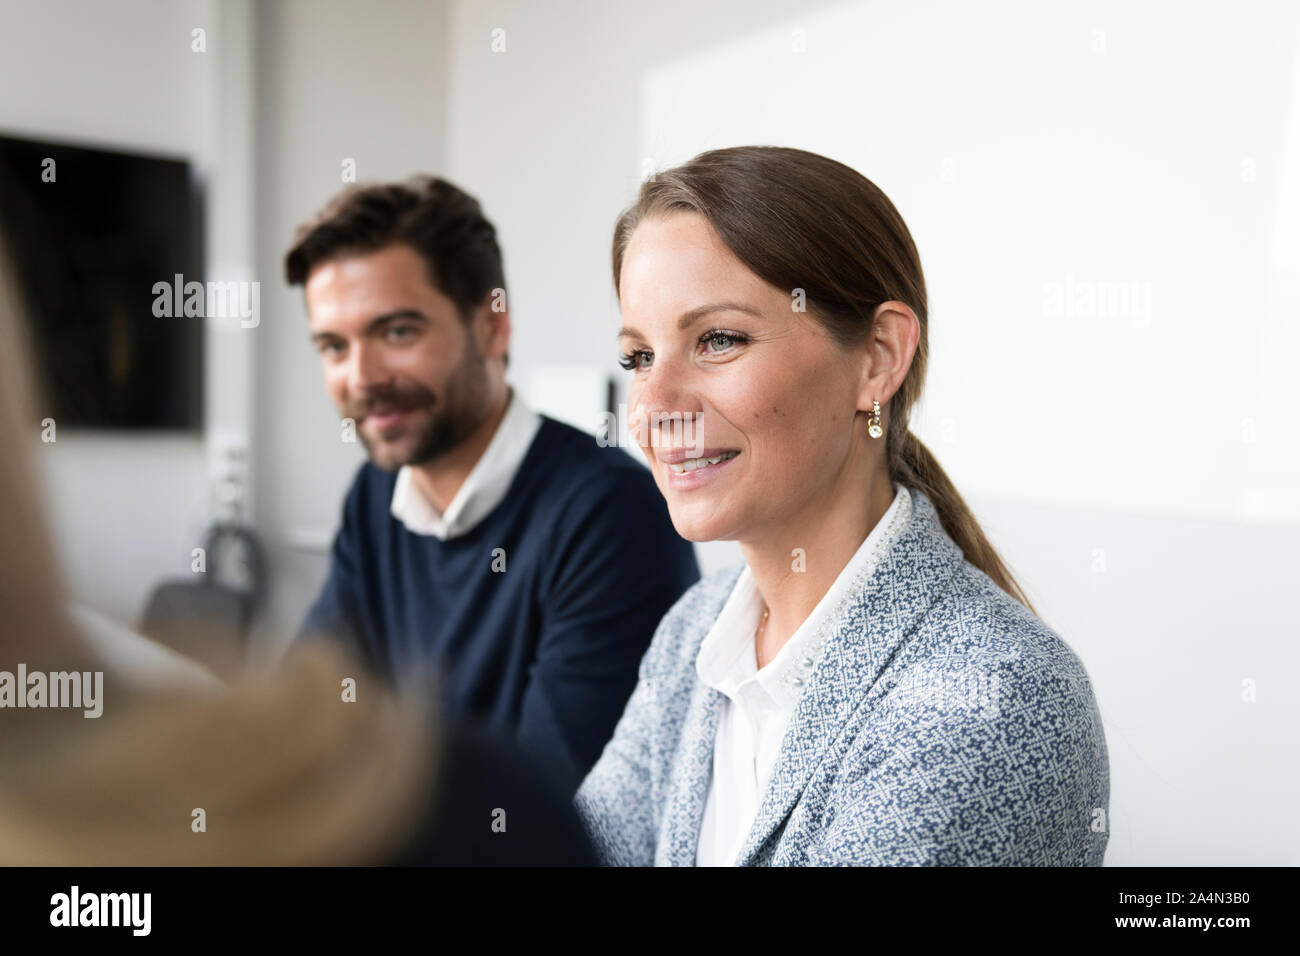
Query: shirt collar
(726, 660)
(484, 487)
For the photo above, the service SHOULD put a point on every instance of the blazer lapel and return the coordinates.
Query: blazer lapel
(866, 633)
(689, 785)
(692, 770)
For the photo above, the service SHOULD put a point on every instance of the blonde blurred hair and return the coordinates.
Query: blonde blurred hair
(284, 770)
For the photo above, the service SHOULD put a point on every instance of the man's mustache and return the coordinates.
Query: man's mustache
(394, 400)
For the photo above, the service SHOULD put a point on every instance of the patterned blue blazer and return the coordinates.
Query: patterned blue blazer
(943, 724)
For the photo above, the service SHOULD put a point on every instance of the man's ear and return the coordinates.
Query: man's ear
(492, 324)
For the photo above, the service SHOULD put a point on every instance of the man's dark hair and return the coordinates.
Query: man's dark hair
(445, 225)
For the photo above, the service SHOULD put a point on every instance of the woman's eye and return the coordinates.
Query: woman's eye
(719, 341)
(632, 360)
(716, 343)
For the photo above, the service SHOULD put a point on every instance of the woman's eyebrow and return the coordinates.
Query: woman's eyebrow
(688, 318)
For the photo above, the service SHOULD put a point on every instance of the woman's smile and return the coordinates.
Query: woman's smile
(687, 474)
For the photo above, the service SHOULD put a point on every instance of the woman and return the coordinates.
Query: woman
(266, 772)
(871, 686)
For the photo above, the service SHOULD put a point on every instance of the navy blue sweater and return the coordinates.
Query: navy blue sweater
(534, 622)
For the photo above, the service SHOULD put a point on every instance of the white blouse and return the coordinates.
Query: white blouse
(761, 703)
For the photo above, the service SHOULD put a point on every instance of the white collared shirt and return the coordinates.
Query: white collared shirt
(483, 488)
(761, 703)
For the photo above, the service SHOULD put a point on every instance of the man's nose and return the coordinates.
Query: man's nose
(366, 370)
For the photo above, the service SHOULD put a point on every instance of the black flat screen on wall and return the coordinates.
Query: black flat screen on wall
(90, 233)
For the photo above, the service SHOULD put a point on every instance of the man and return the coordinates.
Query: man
(512, 556)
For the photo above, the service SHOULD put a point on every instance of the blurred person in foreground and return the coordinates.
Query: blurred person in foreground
(285, 771)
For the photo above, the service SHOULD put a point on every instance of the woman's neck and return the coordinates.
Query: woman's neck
(795, 565)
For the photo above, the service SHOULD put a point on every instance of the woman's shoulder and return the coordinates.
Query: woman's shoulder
(977, 619)
(988, 700)
(980, 655)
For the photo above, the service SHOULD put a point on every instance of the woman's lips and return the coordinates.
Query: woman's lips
(697, 477)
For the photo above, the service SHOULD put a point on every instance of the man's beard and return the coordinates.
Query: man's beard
(451, 421)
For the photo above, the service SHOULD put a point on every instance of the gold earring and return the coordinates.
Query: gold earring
(873, 426)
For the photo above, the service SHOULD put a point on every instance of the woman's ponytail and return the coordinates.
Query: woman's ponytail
(913, 465)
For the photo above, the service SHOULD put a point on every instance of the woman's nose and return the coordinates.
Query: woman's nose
(664, 409)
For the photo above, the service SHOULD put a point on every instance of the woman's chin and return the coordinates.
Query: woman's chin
(699, 528)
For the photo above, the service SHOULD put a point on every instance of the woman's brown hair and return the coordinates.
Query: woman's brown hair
(285, 771)
(799, 220)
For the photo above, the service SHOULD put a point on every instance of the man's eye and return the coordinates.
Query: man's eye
(331, 349)
(399, 332)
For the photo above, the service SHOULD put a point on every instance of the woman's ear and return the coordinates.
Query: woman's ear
(895, 332)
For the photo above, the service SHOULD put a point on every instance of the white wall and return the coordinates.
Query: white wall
(125, 510)
(1135, 464)
(1118, 235)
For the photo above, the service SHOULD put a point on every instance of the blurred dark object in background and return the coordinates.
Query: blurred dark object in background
(207, 618)
(90, 235)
